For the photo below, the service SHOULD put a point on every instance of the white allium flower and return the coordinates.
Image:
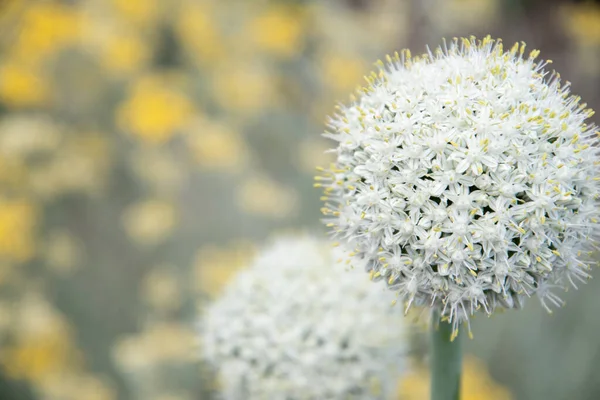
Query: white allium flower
(298, 325)
(467, 178)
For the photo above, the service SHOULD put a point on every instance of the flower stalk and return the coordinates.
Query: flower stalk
(445, 361)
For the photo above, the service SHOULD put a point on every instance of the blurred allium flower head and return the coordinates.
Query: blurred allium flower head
(466, 178)
(298, 325)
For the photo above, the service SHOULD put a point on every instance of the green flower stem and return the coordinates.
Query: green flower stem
(446, 361)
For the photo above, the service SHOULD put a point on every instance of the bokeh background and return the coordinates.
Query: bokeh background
(148, 146)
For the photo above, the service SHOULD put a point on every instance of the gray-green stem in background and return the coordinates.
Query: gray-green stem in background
(445, 361)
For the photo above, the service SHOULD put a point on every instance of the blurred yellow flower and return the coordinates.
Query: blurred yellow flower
(22, 86)
(198, 29)
(582, 22)
(215, 266)
(10, 9)
(342, 72)
(476, 384)
(263, 196)
(42, 346)
(18, 219)
(150, 222)
(46, 29)
(76, 385)
(161, 290)
(243, 88)
(36, 317)
(81, 167)
(42, 351)
(162, 342)
(216, 146)
(137, 11)
(63, 252)
(124, 54)
(278, 30)
(22, 135)
(154, 111)
(35, 360)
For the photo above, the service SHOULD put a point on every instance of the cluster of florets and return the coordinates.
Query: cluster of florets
(297, 325)
(467, 178)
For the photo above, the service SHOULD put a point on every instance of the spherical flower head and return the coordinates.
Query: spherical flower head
(466, 178)
(298, 325)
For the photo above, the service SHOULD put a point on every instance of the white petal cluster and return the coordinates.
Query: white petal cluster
(297, 325)
(466, 178)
